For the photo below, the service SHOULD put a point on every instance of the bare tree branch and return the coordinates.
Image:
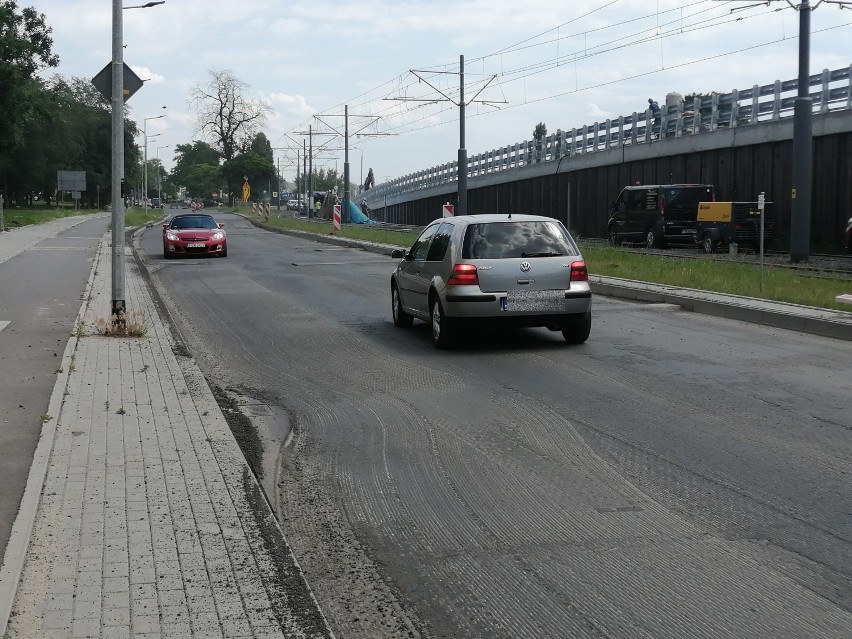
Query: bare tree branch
(224, 115)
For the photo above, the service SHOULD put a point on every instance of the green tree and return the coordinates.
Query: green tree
(197, 168)
(69, 129)
(25, 49)
(540, 132)
(261, 145)
(257, 169)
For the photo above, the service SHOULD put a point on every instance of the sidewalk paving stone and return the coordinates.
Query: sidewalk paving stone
(144, 528)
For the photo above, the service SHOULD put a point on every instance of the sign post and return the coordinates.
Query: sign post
(336, 226)
(761, 204)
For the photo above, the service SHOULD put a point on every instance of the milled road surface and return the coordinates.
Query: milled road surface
(677, 476)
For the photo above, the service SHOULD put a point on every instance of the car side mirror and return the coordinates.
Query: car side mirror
(166, 225)
(398, 254)
(221, 225)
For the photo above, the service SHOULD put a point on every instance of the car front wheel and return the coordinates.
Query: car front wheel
(442, 328)
(400, 317)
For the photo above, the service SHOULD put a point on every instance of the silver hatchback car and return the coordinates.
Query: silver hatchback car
(516, 270)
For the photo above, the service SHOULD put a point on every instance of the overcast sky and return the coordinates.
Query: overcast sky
(562, 62)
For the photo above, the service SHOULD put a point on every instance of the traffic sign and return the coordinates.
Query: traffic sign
(448, 209)
(103, 82)
(336, 226)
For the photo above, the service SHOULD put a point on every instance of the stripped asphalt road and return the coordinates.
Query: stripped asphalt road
(677, 476)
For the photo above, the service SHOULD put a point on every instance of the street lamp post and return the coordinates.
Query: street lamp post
(159, 189)
(145, 165)
(118, 305)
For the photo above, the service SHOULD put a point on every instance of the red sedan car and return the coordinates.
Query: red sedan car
(194, 234)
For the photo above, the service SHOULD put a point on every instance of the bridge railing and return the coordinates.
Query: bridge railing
(829, 90)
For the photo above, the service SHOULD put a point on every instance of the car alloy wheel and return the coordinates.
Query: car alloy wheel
(400, 317)
(442, 331)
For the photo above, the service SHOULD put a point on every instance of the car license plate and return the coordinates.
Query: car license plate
(688, 231)
(540, 301)
(195, 245)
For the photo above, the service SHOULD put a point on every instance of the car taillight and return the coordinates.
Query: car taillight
(463, 275)
(579, 272)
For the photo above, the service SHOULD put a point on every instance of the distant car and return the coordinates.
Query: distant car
(657, 214)
(513, 270)
(194, 234)
(849, 236)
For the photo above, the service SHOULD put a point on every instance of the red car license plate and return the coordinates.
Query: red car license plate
(195, 245)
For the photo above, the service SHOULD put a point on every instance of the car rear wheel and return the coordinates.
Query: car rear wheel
(400, 317)
(652, 239)
(707, 243)
(613, 236)
(442, 326)
(579, 332)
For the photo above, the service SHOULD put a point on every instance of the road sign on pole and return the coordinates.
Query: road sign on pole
(448, 210)
(103, 82)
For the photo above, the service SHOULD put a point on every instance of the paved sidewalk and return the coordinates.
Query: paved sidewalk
(149, 523)
(17, 240)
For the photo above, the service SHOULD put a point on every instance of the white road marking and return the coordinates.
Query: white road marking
(3, 324)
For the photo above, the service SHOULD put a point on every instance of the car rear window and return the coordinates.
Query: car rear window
(506, 240)
(194, 222)
(687, 197)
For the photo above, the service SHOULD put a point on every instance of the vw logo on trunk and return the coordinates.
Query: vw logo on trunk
(525, 266)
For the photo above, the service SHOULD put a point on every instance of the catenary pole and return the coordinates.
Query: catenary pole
(800, 223)
(462, 172)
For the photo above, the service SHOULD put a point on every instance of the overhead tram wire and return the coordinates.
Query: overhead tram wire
(517, 47)
(538, 67)
(644, 74)
(528, 71)
(673, 33)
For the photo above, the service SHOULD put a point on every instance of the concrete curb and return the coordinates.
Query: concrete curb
(777, 318)
(22, 528)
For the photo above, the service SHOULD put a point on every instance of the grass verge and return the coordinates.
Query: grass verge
(15, 217)
(704, 273)
(708, 274)
(137, 217)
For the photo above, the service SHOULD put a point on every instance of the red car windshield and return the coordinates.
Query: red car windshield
(194, 222)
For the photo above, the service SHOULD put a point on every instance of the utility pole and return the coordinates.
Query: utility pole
(346, 160)
(461, 206)
(800, 193)
(802, 178)
(310, 194)
(118, 307)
